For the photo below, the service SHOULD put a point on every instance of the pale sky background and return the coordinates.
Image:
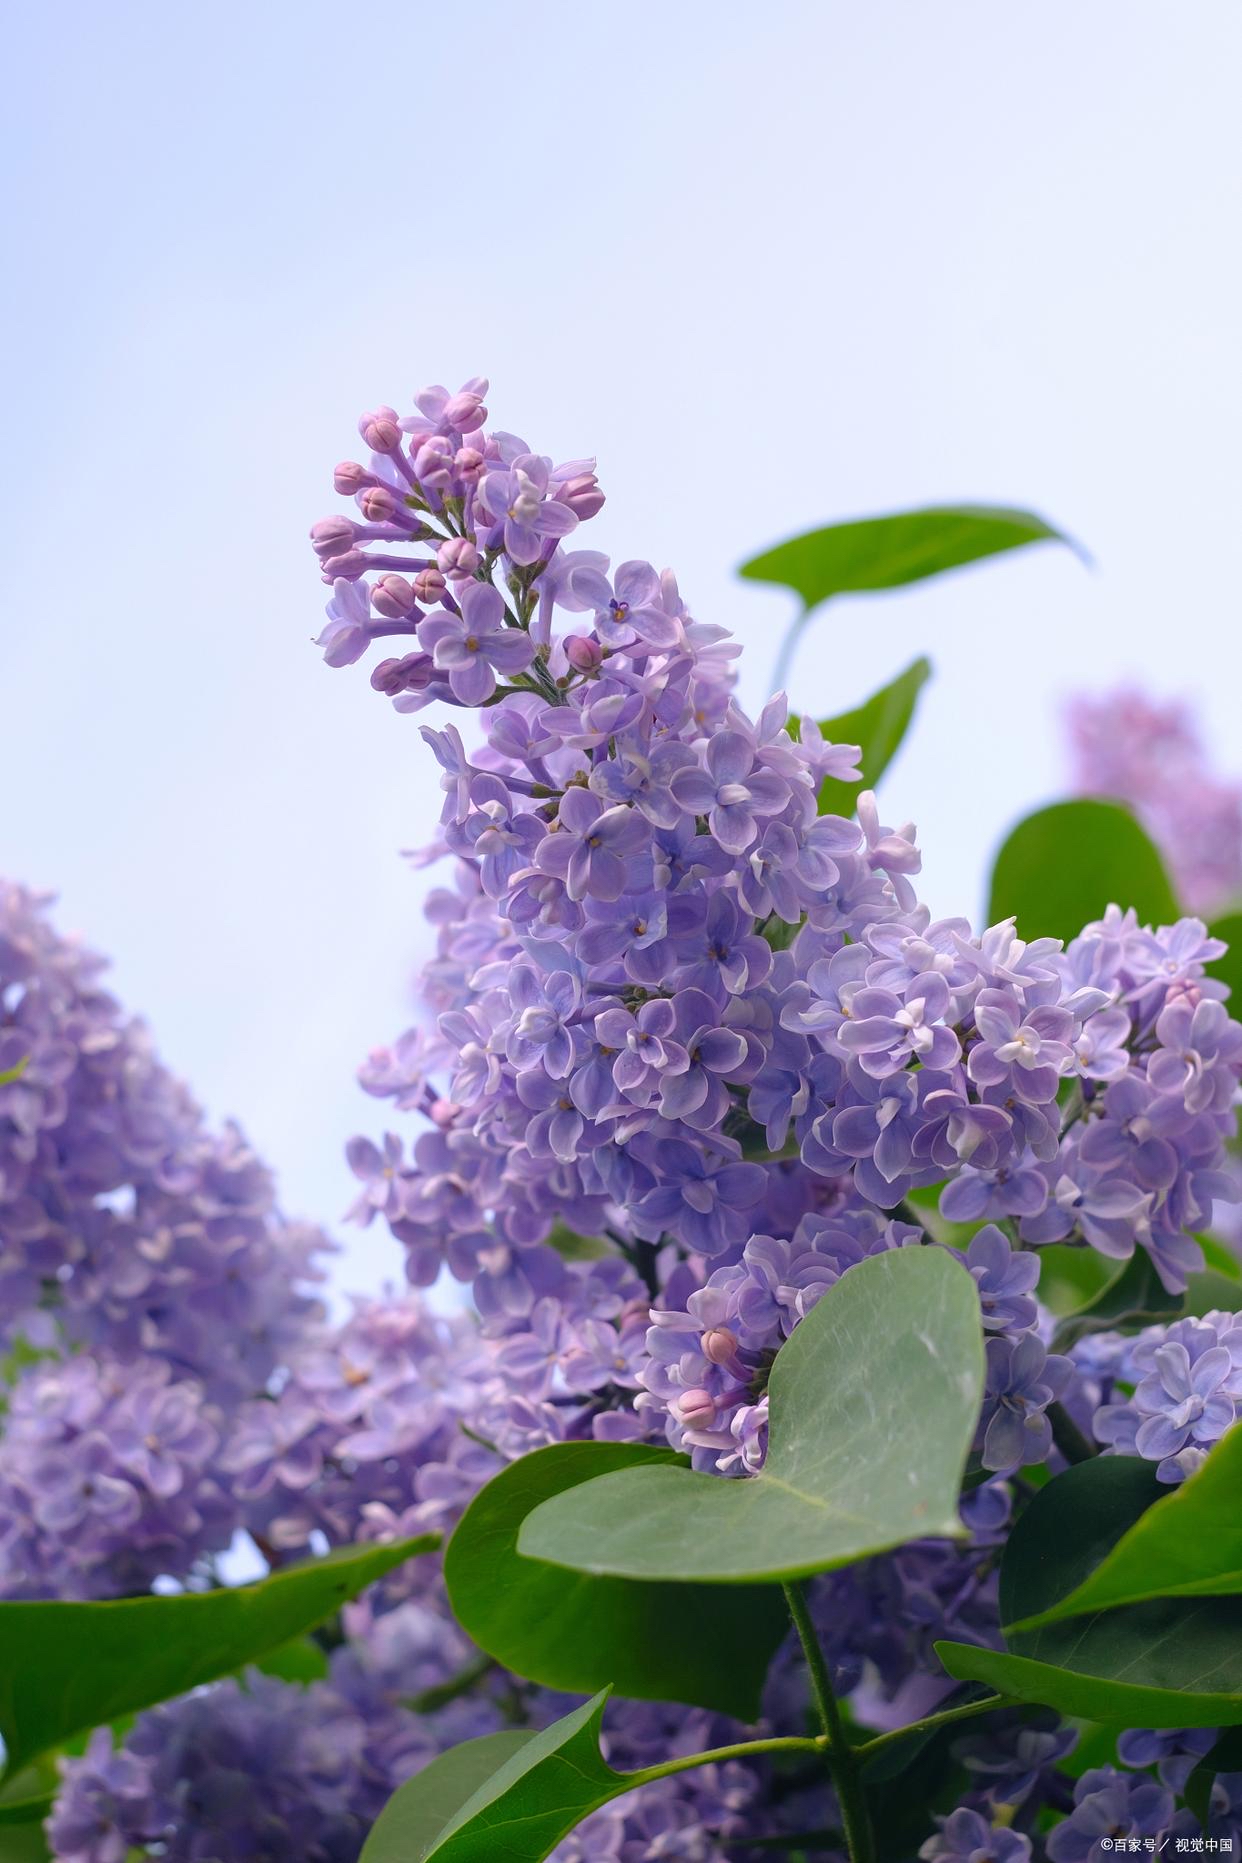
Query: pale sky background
(774, 265)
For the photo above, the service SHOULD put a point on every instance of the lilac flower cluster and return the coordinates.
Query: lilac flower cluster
(125, 1223)
(1171, 1392)
(1150, 755)
(663, 976)
(364, 1438)
(110, 1477)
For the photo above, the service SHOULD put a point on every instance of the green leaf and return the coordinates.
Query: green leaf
(68, 1667)
(877, 726)
(23, 1843)
(419, 1810)
(1225, 1756)
(1220, 1258)
(575, 1632)
(27, 1797)
(1062, 866)
(1133, 1298)
(1071, 1275)
(867, 554)
(301, 1660)
(1229, 967)
(521, 1808)
(1167, 1663)
(1187, 1544)
(874, 1399)
(570, 1246)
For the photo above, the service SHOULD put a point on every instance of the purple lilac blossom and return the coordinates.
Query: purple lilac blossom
(125, 1222)
(1108, 1806)
(1186, 1381)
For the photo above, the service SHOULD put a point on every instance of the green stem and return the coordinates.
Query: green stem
(1067, 1436)
(442, 1693)
(744, 1749)
(928, 1723)
(859, 1837)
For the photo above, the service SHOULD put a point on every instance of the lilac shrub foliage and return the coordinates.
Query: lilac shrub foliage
(692, 1050)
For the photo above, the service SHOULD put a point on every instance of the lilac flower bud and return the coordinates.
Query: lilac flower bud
(433, 463)
(413, 672)
(697, 1409)
(468, 463)
(350, 478)
(582, 494)
(332, 536)
(443, 1112)
(430, 587)
(720, 1345)
(465, 412)
(458, 557)
(350, 566)
(381, 430)
(584, 654)
(392, 597)
(380, 504)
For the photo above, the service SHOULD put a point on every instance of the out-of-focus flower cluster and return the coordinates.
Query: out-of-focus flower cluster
(125, 1222)
(1149, 754)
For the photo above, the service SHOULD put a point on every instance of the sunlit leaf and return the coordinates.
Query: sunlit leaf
(1063, 866)
(874, 1399)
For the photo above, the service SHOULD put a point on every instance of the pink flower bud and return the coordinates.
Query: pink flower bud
(443, 1112)
(430, 587)
(381, 430)
(433, 462)
(379, 504)
(697, 1409)
(720, 1345)
(350, 478)
(584, 654)
(458, 557)
(331, 536)
(581, 494)
(465, 412)
(467, 463)
(351, 565)
(413, 672)
(393, 597)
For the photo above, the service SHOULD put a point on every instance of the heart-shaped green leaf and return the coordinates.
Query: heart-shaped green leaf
(867, 554)
(1166, 1663)
(874, 1399)
(576, 1632)
(68, 1667)
(877, 726)
(1061, 867)
(1187, 1544)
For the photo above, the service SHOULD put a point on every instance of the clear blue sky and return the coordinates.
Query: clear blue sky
(774, 265)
